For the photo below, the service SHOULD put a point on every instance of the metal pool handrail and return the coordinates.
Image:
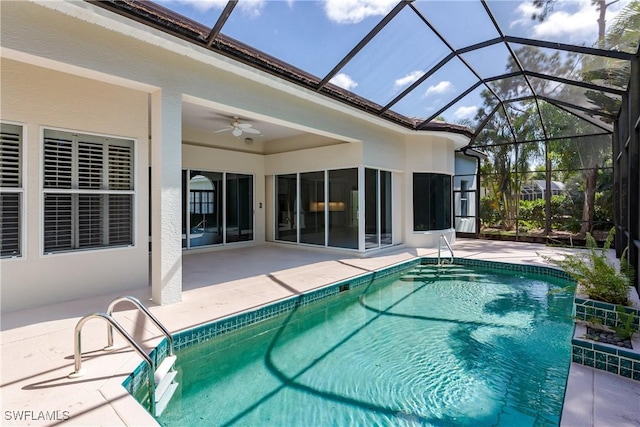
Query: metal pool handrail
(446, 242)
(144, 310)
(77, 354)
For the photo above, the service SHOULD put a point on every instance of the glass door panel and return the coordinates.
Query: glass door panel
(239, 221)
(312, 222)
(386, 237)
(205, 213)
(286, 215)
(371, 230)
(343, 208)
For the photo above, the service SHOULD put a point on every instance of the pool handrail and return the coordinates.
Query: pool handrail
(145, 311)
(446, 242)
(77, 353)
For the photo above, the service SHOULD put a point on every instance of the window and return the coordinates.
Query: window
(11, 191)
(464, 201)
(88, 191)
(431, 201)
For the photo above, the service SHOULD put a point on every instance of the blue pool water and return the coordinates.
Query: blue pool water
(460, 347)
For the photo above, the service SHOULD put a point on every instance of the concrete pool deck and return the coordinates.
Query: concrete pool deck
(37, 344)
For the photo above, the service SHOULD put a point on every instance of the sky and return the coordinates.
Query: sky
(314, 35)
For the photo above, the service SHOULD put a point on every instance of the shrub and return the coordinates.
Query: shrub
(596, 276)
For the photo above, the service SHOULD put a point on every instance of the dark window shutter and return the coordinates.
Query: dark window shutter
(58, 222)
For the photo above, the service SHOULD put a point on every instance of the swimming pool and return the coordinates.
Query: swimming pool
(461, 345)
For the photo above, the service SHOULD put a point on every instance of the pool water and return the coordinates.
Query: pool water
(458, 346)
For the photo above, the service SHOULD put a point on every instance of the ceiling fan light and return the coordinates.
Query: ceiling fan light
(237, 132)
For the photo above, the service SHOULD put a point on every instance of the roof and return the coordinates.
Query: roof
(513, 86)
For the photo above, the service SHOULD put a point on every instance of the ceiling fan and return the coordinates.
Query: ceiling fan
(237, 128)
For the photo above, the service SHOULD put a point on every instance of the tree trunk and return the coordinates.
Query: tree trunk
(588, 209)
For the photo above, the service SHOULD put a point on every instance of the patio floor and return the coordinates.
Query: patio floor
(37, 344)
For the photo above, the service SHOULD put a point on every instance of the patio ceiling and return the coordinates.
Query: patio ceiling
(499, 71)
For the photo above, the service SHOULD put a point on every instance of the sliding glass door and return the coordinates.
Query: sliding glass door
(329, 208)
(286, 215)
(377, 200)
(312, 217)
(239, 220)
(217, 208)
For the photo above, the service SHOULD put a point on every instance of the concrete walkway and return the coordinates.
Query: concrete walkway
(37, 344)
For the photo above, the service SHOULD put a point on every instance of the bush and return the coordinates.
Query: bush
(595, 275)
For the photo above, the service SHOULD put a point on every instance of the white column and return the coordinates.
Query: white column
(166, 193)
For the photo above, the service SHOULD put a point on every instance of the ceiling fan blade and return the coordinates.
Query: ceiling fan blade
(222, 130)
(251, 130)
(244, 126)
(237, 132)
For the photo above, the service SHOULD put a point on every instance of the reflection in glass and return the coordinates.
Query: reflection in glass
(431, 201)
(343, 208)
(464, 202)
(377, 199)
(239, 221)
(205, 213)
(287, 222)
(372, 235)
(312, 214)
(386, 237)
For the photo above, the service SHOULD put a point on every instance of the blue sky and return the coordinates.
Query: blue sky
(314, 35)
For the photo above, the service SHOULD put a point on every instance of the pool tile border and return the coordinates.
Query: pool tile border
(187, 338)
(605, 357)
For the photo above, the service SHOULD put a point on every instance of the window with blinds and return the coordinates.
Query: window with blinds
(88, 191)
(11, 191)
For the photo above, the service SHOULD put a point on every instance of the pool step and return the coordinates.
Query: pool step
(164, 378)
(440, 272)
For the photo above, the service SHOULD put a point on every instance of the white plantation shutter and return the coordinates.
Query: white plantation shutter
(10, 142)
(88, 192)
(90, 165)
(10, 190)
(58, 163)
(120, 167)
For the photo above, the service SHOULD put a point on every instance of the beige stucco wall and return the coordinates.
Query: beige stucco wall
(426, 154)
(109, 70)
(40, 98)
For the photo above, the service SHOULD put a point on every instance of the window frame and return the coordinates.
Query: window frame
(431, 176)
(75, 192)
(21, 191)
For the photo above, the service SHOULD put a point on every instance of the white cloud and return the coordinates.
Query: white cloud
(354, 11)
(465, 112)
(344, 81)
(575, 23)
(252, 8)
(408, 79)
(204, 5)
(442, 87)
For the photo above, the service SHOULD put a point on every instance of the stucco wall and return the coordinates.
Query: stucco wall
(426, 154)
(40, 98)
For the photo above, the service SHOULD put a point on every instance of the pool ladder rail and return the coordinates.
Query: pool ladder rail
(446, 242)
(161, 380)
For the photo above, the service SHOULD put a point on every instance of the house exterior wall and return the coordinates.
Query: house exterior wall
(38, 99)
(433, 155)
(97, 72)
